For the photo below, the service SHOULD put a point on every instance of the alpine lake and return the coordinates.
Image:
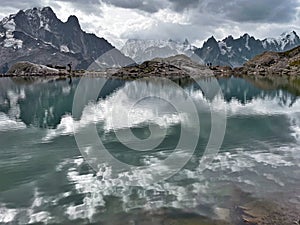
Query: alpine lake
(253, 178)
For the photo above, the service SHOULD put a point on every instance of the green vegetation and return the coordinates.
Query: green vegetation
(295, 63)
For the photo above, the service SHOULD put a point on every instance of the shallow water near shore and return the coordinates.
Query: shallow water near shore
(45, 179)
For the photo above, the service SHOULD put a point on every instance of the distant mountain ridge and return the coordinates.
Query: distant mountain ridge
(227, 52)
(235, 52)
(38, 36)
(144, 50)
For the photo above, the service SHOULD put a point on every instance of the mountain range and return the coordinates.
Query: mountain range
(227, 52)
(235, 52)
(38, 36)
(144, 50)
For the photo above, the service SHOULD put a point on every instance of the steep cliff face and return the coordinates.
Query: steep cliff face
(37, 35)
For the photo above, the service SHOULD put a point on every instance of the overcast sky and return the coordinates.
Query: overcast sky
(119, 20)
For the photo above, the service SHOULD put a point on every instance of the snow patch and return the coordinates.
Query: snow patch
(47, 27)
(64, 48)
(247, 43)
(285, 39)
(9, 24)
(9, 41)
(223, 47)
(12, 42)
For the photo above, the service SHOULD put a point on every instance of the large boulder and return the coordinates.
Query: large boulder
(27, 68)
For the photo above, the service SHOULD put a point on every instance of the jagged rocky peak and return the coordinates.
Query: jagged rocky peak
(48, 9)
(285, 41)
(186, 42)
(37, 35)
(295, 33)
(32, 20)
(48, 12)
(247, 37)
(290, 36)
(212, 39)
(38, 12)
(211, 42)
(229, 38)
(73, 21)
(235, 52)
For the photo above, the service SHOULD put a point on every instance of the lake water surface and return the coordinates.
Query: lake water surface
(44, 179)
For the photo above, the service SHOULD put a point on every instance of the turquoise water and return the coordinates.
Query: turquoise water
(44, 178)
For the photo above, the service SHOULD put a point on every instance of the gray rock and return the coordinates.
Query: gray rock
(27, 68)
(273, 64)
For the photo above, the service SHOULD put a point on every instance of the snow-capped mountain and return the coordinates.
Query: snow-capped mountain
(235, 52)
(284, 42)
(38, 36)
(143, 50)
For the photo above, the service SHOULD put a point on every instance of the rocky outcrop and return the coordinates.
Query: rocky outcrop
(174, 67)
(272, 64)
(27, 68)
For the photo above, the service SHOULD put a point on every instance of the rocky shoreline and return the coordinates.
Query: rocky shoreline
(177, 67)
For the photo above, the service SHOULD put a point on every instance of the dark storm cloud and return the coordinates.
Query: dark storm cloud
(86, 6)
(20, 4)
(276, 11)
(153, 6)
(85, 3)
(179, 5)
(150, 6)
(255, 11)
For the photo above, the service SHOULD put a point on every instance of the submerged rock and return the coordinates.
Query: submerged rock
(262, 212)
